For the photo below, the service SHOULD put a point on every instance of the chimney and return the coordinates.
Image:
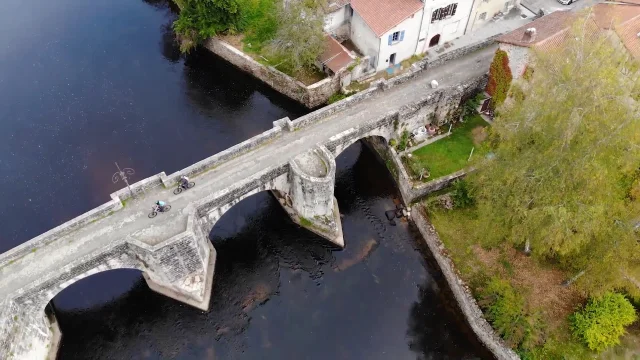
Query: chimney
(529, 35)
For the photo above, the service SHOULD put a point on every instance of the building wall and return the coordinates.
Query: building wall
(403, 49)
(490, 8)
(335, 19)
(518, 58)
(449, 28)
(365, 39)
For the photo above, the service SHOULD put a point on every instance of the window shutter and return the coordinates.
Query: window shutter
(390, 39)
(401, 35)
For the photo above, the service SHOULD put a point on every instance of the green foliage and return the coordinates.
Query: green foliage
(560, 155)
(528, 73)
(259, 22)
(504, 307)
(201, 19)
(300, 37)
(516, 93)
(601, 323)
(418, 170)
(470, 106)
(461, 194)
(393, 142)
(404, 141)
(338, 96)
(499, 78)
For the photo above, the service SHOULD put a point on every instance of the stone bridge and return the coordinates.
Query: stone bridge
(295, 160)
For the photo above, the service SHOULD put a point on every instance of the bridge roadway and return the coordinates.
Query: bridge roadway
(132, 220)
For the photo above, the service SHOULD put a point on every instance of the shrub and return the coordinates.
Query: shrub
(528, 73)
(499, 78)
(339, 96)
(517, 93)
(393, 142)
(601, 323)
(404, 141)
(461, 194)
(505, 309)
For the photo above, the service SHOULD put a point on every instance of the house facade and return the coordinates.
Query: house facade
(444, 20)
(485, 10)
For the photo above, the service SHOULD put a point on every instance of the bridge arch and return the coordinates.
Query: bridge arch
(341, 144)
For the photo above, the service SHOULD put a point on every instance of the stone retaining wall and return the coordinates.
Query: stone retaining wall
(461, 292)
(310, 96)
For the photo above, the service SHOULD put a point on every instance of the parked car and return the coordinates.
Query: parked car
(567, 2)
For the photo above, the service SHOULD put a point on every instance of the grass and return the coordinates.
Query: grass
(451, 154)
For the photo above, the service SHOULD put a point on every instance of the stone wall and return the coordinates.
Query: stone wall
(59, 231)
(461, 292)
(230, 153)
(311, 96)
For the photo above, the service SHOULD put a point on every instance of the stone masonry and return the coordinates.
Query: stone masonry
(295, 160)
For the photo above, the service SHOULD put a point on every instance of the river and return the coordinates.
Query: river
(86, 84)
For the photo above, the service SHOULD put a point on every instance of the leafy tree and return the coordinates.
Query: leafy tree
(201, 19)
(300, 38)
(565, 158)
(601, 323)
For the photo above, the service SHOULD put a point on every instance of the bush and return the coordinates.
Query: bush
(461, 194)
(505, 309)
(338, 96)
(393, 142)
(601, 323)
(200, 19)
(499, 78)
(404, 141)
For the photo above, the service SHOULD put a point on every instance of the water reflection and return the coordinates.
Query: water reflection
(281, 292)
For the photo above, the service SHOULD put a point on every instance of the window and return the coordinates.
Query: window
(396, 37)
(483, 16)
(443, 13)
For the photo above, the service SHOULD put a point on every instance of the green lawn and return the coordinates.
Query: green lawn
(451, 154)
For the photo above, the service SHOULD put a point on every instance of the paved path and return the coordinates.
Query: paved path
(550, 6)
(132, 220)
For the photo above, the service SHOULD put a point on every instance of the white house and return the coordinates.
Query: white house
(444, 20)
(484, 10)
(390, 31)
(386, 30)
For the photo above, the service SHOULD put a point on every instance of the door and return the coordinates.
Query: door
(392, 59)
(434, 41)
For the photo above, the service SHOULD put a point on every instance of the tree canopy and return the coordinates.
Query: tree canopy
(563, 175)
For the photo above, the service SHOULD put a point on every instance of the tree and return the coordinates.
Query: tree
(300, 37)
(499, 78)
(565, 158)
(601, 323)
(201, 19)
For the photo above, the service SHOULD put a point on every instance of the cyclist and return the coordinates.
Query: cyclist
(184, 181)
(160, 205)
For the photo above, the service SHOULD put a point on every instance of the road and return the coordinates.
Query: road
(553, 5)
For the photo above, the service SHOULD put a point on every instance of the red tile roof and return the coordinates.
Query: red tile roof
(335, 56)
(382, 15)
(547, 27)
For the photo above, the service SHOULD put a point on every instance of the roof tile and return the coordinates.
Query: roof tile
(382, 15)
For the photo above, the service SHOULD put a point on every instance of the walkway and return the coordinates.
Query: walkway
(132, 220)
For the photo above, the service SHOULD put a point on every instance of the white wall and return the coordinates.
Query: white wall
(450, 28)
(490, 8)
(334, 19)
(518, 58)
(403, 49)
(365, 39)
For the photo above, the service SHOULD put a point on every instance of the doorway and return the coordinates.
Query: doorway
(434, 41)
(392, 59)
